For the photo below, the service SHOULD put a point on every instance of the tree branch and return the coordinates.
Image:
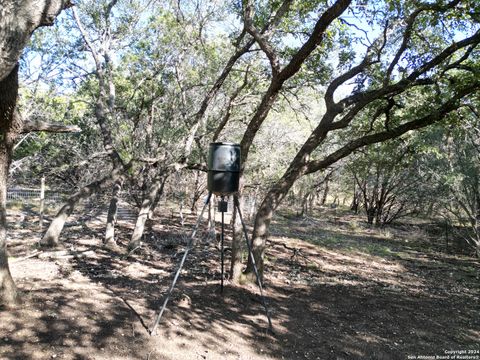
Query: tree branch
(38, 125)
(412, 80)
(409, 29)
(262, 40)
(86, 38)
(288, 71)
(435, 115)
(315, 38)
(228, 110)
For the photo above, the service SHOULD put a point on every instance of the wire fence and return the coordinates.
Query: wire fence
(126, 212)
(27, 195)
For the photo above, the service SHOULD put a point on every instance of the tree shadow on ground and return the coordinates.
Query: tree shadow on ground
(350, 306)
(380, 303)
(340, 301)
(59, 321)
(360, 322)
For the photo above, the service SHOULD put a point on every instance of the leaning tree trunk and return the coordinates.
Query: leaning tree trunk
(151, 213)
(52, 236)
(197, 193)
(260, 235)
(10, 126)
(155, 191)
(264, 217)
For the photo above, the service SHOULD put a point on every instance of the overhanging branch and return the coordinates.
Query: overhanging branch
(38, 125)
(435, 115)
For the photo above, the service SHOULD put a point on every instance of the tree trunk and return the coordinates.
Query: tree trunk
(354, 205)
(211, 219)
(303, 205)
(151, 213)
(10, 126)
(253, 205)
(311, 200)
(378, 217)
(477, 219)
(52, 236)
(325, 193)
(429, 212)
(180, 213)
(155, 190)
(355, 200)
(260, 235)
(370, 215)
(8, 292)
(197, 193)
(264, 216)
(112, 215)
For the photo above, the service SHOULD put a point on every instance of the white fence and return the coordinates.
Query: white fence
(26, 195)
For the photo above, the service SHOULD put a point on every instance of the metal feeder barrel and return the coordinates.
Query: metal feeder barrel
(223, 168)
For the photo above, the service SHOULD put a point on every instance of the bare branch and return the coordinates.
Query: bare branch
(262, 40)
(228, 110)
(38, 125)
(86, 38)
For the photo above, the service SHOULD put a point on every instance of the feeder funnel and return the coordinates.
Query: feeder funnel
(223, 168)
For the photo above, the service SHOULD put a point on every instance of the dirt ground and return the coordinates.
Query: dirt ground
(336, 290)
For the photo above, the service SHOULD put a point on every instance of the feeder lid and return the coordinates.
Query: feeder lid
(220, 143)
(224, 157)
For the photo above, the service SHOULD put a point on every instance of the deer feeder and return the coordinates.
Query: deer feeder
(223, 168)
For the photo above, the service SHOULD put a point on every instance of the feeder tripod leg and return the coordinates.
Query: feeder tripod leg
(177, 274)
(222, 242)
(255, 269)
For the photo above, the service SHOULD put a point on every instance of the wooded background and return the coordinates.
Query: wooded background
(366, 104)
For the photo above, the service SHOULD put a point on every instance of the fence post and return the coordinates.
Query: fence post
(42, 200)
